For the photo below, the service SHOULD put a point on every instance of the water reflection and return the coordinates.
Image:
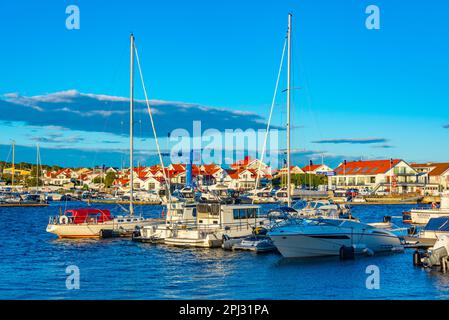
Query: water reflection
(33, 266)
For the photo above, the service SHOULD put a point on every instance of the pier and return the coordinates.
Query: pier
(124, 202)
(23, 205)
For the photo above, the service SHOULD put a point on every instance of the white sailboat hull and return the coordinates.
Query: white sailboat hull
(90, 230)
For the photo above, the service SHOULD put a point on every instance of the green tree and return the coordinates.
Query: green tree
(109, 179)
(301, 180)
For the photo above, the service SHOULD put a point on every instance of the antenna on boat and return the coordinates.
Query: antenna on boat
(289, 51)
(131, 133)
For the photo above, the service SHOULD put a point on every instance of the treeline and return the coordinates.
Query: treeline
(303, 179)
(26, 166)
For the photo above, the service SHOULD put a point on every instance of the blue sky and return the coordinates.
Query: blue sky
(361, 93)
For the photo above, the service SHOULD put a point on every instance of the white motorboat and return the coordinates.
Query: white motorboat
(186, 194)
(319, 208)
(144, 196)
(256, 243)
(262, 195)
(422, 216)
(282, 194)
(359, 199)
(53, 196)
(179, 214)
(215, 221)
(219, 193)
(428, 235)
(301, 238)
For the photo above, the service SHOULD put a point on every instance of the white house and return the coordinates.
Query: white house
(394, 175)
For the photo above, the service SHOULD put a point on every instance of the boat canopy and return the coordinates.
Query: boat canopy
(438, 224)
(88, 214)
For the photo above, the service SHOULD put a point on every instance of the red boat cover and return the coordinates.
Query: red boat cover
(88, 215)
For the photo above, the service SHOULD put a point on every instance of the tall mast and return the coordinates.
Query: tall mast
(131, 123)
(37, 168)
(13, 170)
(289, 49)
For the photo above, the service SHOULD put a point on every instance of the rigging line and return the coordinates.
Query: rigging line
(271, 113)
(152, 124)
(5, 165)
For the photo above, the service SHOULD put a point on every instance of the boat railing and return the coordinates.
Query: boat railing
(69, 220)
(209, 228)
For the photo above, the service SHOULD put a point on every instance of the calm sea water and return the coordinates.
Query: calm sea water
(33, 264)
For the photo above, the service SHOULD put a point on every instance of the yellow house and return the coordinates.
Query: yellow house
(17, 172)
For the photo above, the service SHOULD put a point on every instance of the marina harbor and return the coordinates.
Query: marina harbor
(237, 150)
(160, 271)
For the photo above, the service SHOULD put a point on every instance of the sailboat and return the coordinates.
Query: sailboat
(97, 223)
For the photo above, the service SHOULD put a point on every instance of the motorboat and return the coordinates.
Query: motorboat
(179, 214)
(438, 254)
(423, 215)
(53, 196)
(282, 213)
(186, 194)
(219, 193)
(434, 229)
(319, 208)
(144, 196)
(302, 238)
(359, 199)
(215, 221)
(282, 195)
(325, 208)
(262, 196)
(92, 223)
(165, 198)
(256, 243)
(341, 196)
(11, 198)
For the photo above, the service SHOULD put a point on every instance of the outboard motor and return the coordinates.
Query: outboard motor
(136, 235)
(439, 251)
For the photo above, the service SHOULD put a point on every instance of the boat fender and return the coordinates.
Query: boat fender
(417, 256)
(106, 233)
(63, 219)
(260, 231)
(347, 253)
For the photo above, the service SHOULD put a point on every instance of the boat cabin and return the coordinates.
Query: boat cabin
(218, 214)
(180, 211)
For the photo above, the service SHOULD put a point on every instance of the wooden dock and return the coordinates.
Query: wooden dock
(142, 203)
(381, 203)
(23, 205)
